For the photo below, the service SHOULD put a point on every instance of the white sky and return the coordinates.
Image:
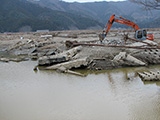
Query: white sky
(91, 0)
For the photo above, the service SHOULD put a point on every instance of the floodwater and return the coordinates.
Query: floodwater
(117, 94)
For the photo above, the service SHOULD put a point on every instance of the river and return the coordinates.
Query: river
(117, 94)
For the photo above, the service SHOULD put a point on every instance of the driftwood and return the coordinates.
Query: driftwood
(149, 76)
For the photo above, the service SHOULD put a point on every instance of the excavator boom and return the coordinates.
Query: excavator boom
(122, 21)
(140, 34)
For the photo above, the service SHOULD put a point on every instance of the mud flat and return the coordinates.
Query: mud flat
(67, 50)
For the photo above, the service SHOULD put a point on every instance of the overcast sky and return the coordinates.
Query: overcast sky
(90, 0)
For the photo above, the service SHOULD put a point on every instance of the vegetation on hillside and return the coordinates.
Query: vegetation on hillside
(101, 11)
(17, 14)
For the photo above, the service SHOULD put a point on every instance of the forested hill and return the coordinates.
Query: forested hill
(102, 11)
(21, 15)
(32, 15)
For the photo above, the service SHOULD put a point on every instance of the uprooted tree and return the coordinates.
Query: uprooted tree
(148, 4)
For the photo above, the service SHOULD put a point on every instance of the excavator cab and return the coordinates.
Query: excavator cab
(141, 34)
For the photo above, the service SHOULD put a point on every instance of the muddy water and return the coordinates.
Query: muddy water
(47, 95)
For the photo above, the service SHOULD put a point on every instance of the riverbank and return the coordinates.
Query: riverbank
(51, 49)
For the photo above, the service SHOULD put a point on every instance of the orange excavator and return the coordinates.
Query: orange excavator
(140, 34)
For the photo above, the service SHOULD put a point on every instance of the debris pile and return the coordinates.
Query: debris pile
(65, 51)
(101, 57)
(59, 58)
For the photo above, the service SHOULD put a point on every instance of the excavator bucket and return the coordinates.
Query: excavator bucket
(102, 36)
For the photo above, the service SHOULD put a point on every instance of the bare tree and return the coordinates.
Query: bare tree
(148, 4)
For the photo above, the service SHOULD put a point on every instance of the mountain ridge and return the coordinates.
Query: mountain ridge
(31, 15)
(102, 11)
(18, 14)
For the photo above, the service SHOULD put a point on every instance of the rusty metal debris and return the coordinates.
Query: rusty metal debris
(121, 46)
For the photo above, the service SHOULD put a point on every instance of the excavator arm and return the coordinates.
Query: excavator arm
(122, 21)
(140, 34)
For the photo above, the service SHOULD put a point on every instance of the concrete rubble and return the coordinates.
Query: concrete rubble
(150, 76)
(64, 51)
(123, 56)
(58, 58)
(71, 64)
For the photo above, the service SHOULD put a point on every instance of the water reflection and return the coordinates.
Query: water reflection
(117, 94)
(128, 73)
(152, 82)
